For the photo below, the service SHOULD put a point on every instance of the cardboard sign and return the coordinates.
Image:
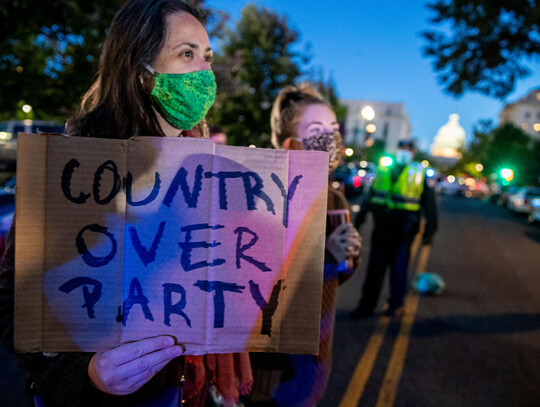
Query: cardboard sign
(118, 240)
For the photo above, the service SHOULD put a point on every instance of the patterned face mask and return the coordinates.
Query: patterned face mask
(183, 99)
(329, 142)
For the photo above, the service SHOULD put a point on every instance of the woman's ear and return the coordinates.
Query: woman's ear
(147, 81)
(292, 143)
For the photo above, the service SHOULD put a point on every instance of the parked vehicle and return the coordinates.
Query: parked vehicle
(505, 195)
(8, 137)
(467, 187)
(534, 213)
(355, 177)
(521, 201)
(7, 210)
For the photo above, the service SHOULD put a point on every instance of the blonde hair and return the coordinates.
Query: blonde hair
(288, 108)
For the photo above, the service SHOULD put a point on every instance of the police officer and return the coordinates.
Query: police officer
(400, 194)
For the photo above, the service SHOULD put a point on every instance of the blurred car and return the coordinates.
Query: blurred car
(534, 213)
(355, 177)
(446, 187)
(7, 210)
(521, 200)
(505, 195)
(8, 137)
(467, 187)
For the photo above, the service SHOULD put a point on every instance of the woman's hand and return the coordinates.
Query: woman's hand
(128, 367)
(344, 242)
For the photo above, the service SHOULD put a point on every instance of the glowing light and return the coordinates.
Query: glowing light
(470, 182)
(19, 69)
(536, 126)
(26, 108)
(461, 181)
(507, 174)
(363, 164)
(430, 172)
(252, 146)
(362, 173)
(336, 185)
(5, 135)
(351, 166)
(479, 167)
(524, 126)
(357, 181)
(425, 163)
(27, 122)
(355, 208)
(386, 161)
(369, 142)
(349, 152)
(371, 128)
(368, 113)
(451, 179)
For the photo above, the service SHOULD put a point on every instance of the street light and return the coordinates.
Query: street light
(370, 128)
(386, 161)
(368, 113)
(507, 174)
(26, 108)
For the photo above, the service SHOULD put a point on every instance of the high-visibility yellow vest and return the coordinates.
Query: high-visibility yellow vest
(403, 194)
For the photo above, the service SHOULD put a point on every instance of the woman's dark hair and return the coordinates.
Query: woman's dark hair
(117, 105)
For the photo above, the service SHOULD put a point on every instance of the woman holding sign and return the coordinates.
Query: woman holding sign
(154, 79)
(301, 120)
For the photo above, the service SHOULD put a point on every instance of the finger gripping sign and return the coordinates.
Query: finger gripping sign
(119, 240)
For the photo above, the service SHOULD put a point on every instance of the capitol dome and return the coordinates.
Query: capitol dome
(449, 139)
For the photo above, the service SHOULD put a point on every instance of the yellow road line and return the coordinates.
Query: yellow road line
(365, 365)
(389, 387)
(388, 390)
(363, 370)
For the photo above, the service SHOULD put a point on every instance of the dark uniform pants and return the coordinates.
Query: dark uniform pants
(391, 242)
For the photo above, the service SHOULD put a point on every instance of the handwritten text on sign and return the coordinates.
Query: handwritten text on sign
(175, 236)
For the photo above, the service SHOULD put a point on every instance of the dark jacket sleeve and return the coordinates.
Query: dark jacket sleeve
(61, 380)
(428, 203)
(63, 375)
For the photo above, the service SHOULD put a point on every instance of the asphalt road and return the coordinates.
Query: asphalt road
(478, 344)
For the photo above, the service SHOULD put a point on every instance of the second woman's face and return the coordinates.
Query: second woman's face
(316, 120)
(187, 47)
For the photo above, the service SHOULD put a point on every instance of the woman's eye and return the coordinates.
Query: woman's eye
(209, 58)
(187, 54)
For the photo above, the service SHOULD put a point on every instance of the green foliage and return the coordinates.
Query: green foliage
(482, 44)
(504, 147)
(51, 60)
(327, 89)
(256, 60)
(511, 147)
(49, 53)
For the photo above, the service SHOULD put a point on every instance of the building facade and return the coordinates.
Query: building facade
(524, 113)
(385, 121)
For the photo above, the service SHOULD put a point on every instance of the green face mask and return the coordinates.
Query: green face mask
(183, 99)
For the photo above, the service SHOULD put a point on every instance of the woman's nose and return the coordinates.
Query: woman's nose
(203, 65)
(328, 129)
